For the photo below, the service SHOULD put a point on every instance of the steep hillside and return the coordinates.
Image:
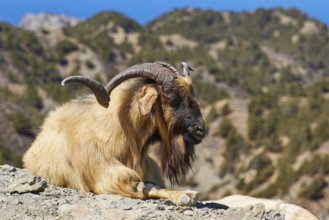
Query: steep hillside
(109, 34)
(261, 79)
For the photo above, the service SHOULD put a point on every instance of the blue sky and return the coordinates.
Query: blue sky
(143, 11)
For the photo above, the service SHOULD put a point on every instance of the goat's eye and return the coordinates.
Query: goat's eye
(171, 97)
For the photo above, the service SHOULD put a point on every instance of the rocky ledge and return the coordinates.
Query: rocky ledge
(24, 196)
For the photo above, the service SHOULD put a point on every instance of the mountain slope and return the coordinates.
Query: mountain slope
(261, 79)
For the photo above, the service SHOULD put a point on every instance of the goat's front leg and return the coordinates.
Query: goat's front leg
(152, 191)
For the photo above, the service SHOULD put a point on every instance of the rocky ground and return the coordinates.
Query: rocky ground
(23, 196)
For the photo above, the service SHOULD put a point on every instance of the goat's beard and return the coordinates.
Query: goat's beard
(176, 160)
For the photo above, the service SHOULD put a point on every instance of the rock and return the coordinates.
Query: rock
(37, 22)
(188, 212)
(28, 197)
(26, 185)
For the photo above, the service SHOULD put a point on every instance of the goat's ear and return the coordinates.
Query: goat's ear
(148, 99)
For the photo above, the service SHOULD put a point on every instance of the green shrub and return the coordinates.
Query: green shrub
(226, 110)
(89, 64)
(319, 165)
(65, 47)
(12, 77)
(22, 123)
(8, 156)
(235, 146)
(315, 190)
(206, 92)
(211, 116)
(32, 98)
(226, 128)
(265, 169)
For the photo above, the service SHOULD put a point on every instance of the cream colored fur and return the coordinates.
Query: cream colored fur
(90, 148)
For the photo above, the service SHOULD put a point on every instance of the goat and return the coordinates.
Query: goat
(100, 145)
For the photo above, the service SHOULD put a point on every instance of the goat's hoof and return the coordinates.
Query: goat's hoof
(187, 198)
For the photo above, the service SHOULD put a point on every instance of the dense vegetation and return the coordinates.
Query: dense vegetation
(96, 33)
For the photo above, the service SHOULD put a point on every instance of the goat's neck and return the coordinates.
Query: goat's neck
(135, 129)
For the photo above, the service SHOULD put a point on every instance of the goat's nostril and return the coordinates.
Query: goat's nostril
(197, 131)
(200, 132)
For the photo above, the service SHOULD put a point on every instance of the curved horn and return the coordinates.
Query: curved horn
(96, 87)
(160, 72)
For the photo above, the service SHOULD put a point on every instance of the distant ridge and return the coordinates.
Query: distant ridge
(36, 22)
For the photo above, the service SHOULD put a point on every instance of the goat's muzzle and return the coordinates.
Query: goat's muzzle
(195, 133)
